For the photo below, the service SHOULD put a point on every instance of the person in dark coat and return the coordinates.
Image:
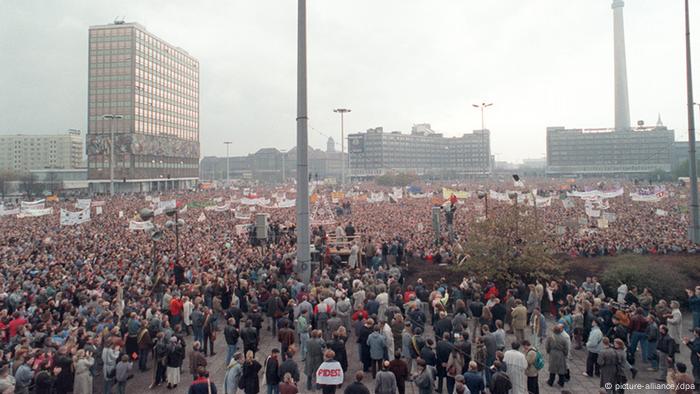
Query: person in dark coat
(610, 362)
(400, 370)
(272, 376)
(442, 326)
(64, 380)
(314, 357)
(500, 382)
(249, 383)
(442, 352)
(249, 336)
(290, 366)
(45, 379)
(357, 387)
(362, 336)
(202, 385)
(337, 345)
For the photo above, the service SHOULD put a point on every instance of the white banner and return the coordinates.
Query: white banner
(134, 225)
(121, 214)
(287, 203)
(83, 203)
(222, 208)
(397, 193)
(597, 193)
(568, 203)
(201, 217)
(241, 216)
(543, 202)
(602, 223)
(661, 212)
(68, 218)
(647, 197)
(39, 204)
(7, 212)
(98, 210)
(242, 229)
(594, 213)
(98, 204)
(376, 197)
(610, 217)
(163, 205)
(420, 195)
(503, 197)
(252, 201)
(26, 213)
(330, 373)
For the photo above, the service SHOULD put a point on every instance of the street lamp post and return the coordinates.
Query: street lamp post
(342, 112)
(514, 196)
(694, 230)
(111, 149)
(302, 203)
(175, 225)
(481, 107)
(228, 166)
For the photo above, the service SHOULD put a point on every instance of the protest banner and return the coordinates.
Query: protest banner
(68, 218)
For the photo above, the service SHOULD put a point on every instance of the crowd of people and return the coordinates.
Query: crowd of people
(84, 308)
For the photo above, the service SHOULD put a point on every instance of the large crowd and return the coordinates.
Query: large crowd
(85, 307)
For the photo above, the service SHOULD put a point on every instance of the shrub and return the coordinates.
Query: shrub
(664, 282)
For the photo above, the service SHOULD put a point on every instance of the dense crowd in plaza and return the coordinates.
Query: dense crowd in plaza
(85, 307)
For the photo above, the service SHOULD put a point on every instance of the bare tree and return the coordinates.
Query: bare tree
(53, 182)
(28, 184)
(5, 178)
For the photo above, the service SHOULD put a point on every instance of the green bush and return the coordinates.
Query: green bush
(664, 282)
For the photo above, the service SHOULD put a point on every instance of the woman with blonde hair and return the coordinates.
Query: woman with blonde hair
(249, 380)
(82, 362)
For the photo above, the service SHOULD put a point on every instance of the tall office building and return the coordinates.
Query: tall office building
(154, 87)
(21, 153)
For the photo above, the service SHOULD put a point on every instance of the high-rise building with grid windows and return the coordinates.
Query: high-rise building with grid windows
(152, 89)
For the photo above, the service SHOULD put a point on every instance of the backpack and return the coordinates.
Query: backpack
(539, 359)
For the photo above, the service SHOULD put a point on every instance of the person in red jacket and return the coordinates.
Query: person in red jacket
(176, 306)
(15, 324)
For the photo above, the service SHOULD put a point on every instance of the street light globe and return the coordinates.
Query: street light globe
(146, 214)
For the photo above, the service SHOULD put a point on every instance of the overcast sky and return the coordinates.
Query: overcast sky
(393, 62)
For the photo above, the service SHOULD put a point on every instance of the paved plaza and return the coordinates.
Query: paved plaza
(577, 365)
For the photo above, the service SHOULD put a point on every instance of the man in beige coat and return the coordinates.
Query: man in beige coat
(519, 315)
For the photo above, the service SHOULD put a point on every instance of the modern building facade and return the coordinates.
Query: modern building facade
(622, 150)
(680, 153)
(423, 152)
(154, 87)
(608, 152)
(22, 153)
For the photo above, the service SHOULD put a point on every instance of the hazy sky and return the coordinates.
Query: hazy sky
(393, 62)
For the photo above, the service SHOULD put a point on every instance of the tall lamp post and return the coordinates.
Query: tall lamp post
(155, 233)
(175, 225)
(342, 112)
(111, 118)
(302, 203)
(228, 166)
(482, 107)
(694, 230)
